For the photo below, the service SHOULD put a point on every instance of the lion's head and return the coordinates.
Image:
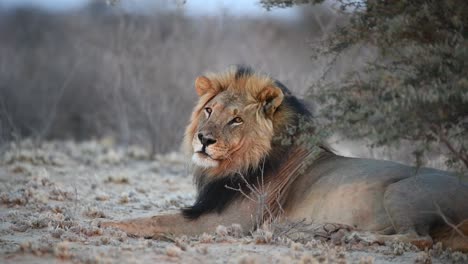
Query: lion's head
(234, 122)
(246, 129)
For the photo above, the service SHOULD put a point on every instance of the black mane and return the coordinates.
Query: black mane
(217, 195)
(243, 71)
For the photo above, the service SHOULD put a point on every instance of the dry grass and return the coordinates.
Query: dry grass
(50, 212)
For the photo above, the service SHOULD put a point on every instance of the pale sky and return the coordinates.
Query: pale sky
(192, 7)
(46, 4)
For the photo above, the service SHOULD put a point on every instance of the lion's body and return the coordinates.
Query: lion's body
(381, 196)
(247, 140)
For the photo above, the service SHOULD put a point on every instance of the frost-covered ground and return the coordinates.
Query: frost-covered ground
(54, 194)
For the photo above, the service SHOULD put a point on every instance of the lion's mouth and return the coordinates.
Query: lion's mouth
(203, 154)
(203, 159)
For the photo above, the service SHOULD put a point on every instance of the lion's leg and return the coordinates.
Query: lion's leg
(157, 226)
(405, 209)
(422, 242)
(160, 226)
(416, 205)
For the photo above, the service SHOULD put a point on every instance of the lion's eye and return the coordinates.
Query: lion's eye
(208, 110)
(237, 120)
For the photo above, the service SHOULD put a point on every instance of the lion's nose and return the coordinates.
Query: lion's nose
(206, 140)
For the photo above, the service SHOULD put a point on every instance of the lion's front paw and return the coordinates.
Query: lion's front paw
(131, 229)
(140, 227)
(108, 224)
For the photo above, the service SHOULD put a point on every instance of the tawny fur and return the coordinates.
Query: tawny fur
(391, 200)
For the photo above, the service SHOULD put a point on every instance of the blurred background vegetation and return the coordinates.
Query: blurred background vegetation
(414, 91)
(389, 77)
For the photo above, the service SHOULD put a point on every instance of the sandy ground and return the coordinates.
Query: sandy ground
(54, 194)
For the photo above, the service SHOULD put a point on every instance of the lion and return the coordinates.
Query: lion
(247, 137)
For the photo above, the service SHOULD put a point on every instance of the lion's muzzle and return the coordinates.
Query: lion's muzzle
(203, 156)
(206, 140)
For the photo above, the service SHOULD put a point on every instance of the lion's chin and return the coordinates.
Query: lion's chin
(204, 161)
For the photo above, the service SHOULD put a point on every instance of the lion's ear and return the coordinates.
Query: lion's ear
(271, 97)
(202, 85)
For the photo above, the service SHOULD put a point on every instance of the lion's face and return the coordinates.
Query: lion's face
(226, 125)
(232, 126)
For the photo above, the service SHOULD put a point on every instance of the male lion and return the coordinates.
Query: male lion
(247, 137)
